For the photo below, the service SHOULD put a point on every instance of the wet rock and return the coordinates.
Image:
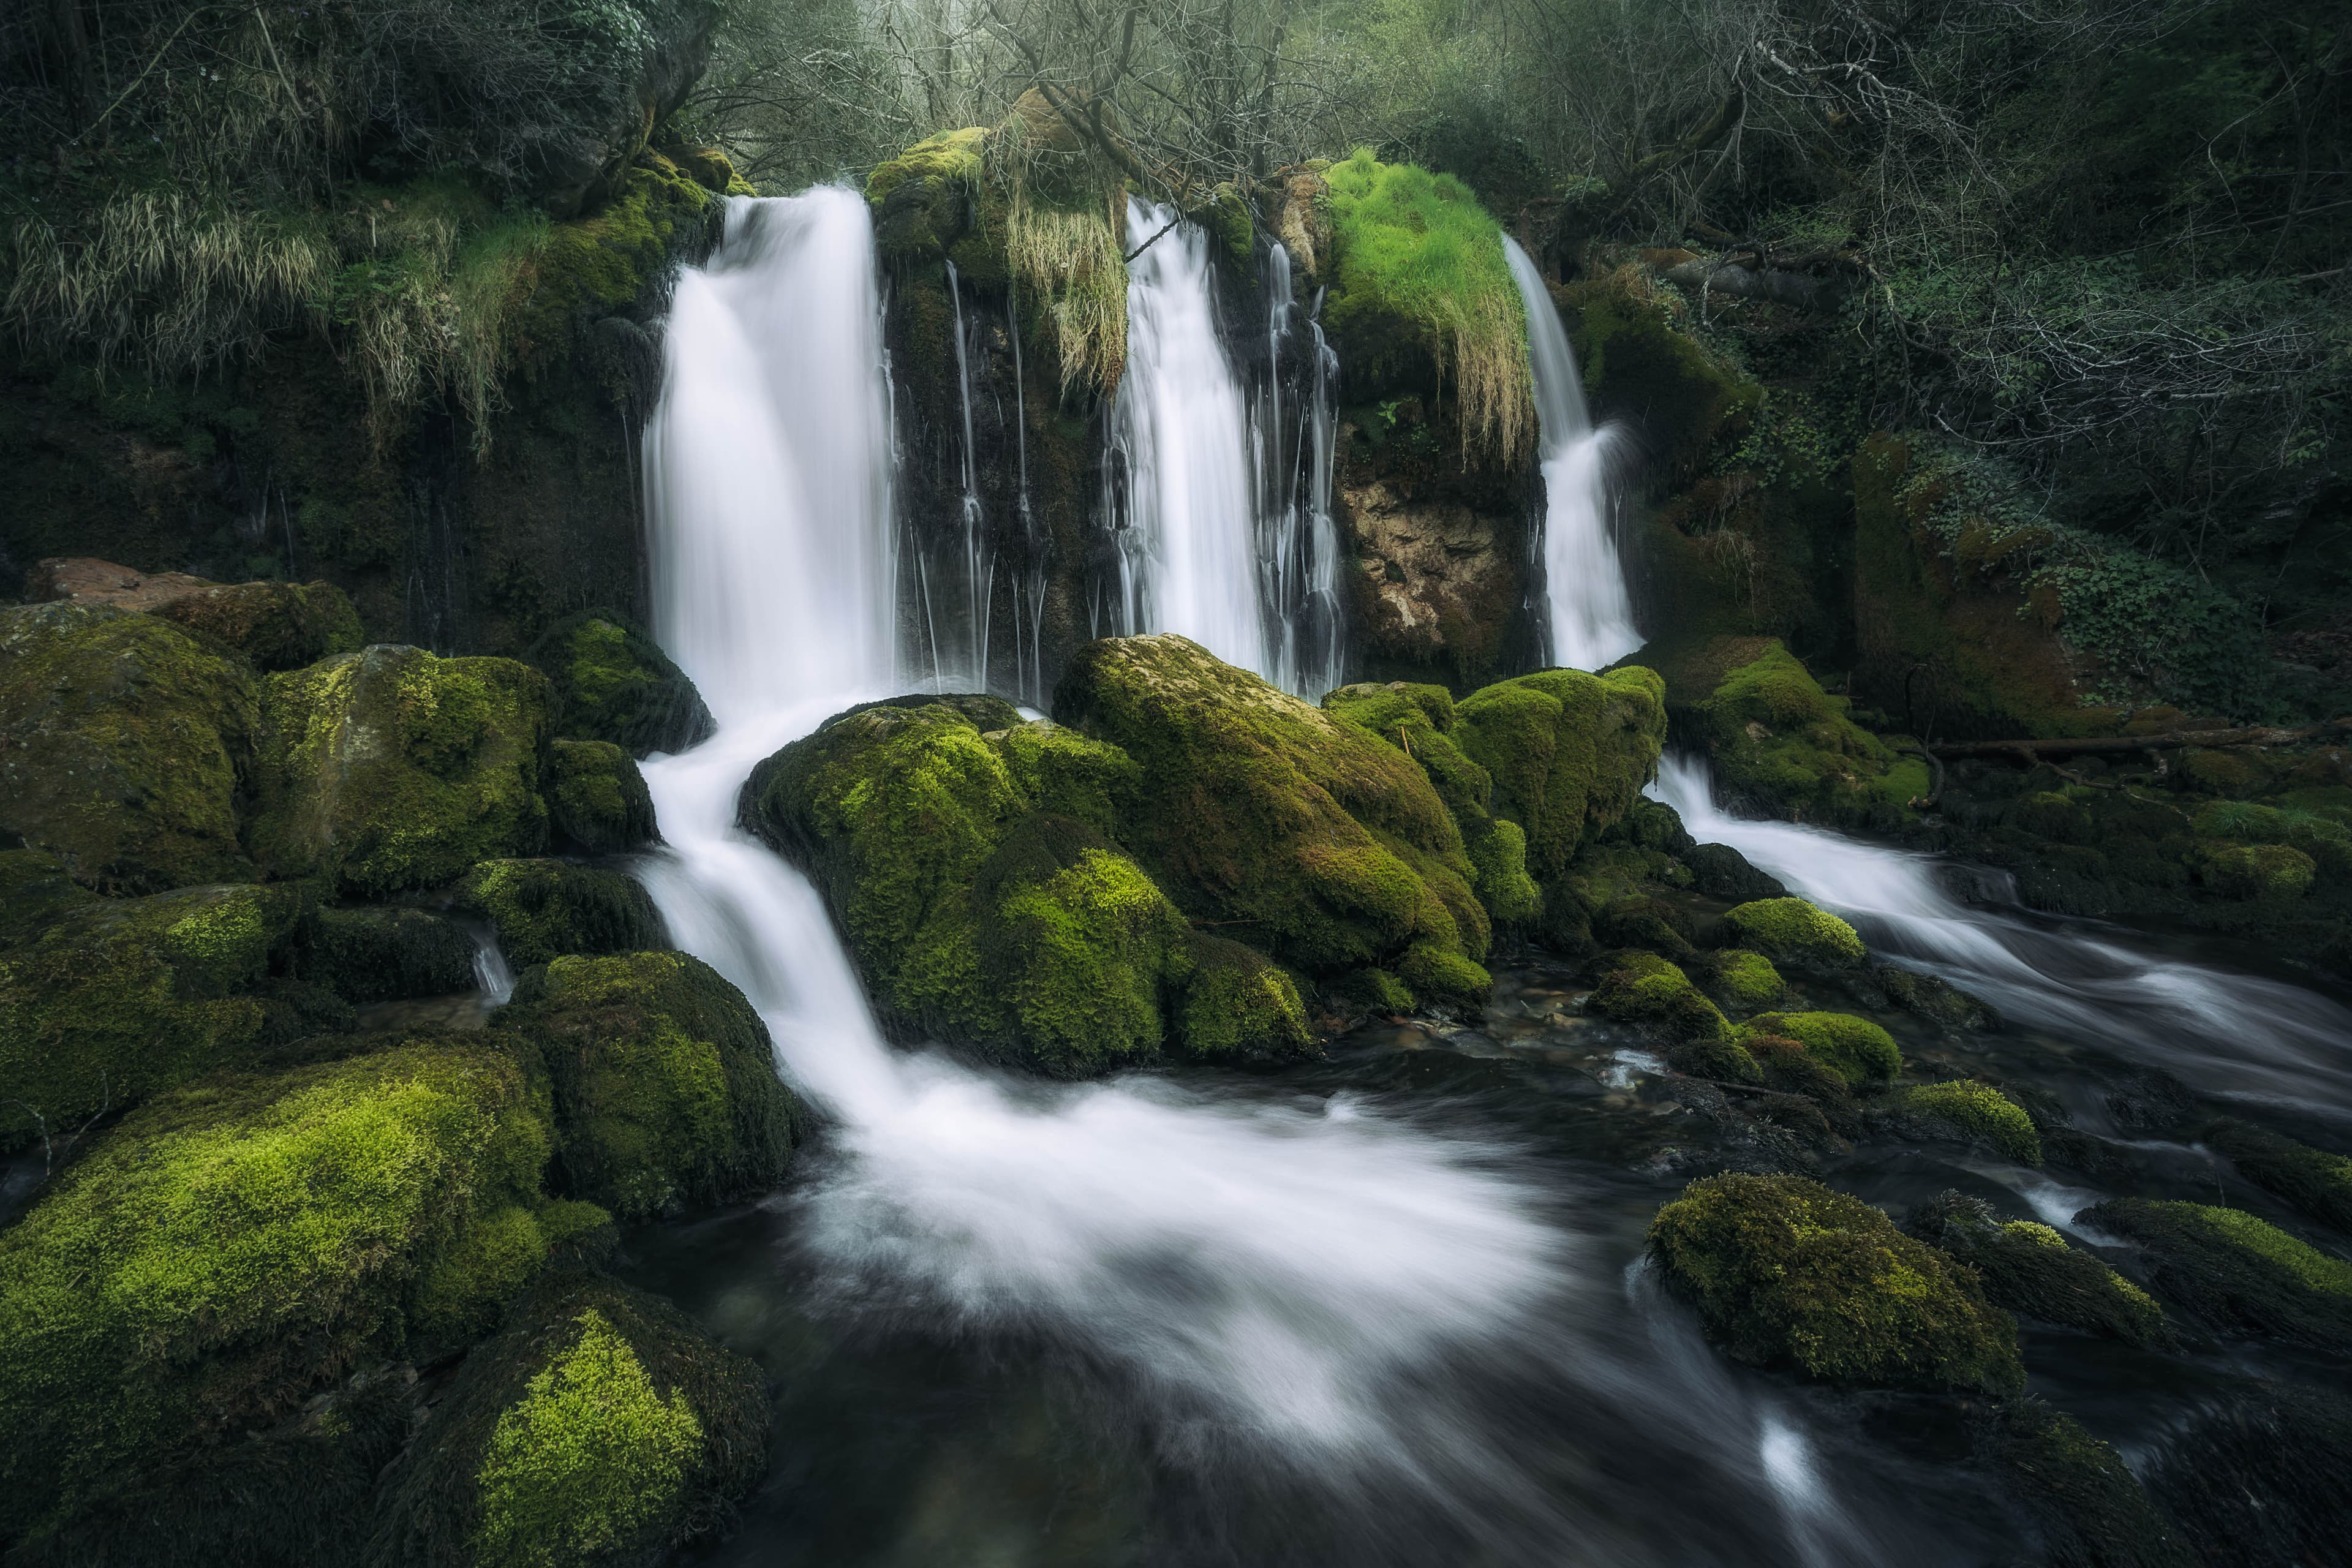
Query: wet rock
(1786, 1272)
(2257, 1478)
(1975, 1112)
(387, 954)
(2316, 1183)
(1642, 988)
(597, 800)
(271, 625)
(1932, 997)
(1439, 578)
(542, 909)
(2035, 1272)
(2091, 1510)
(2234, 1271)
(612, 682)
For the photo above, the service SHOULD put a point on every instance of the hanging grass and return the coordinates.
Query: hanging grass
(1063, 240)
(1417, 247)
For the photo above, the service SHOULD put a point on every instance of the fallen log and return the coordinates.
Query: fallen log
(2034, 751)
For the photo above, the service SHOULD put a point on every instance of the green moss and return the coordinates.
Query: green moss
(34, 894)
(123, 744)
(2236, 1270)
(2313, 1181)
(2032, 1269)
(665, 1081)
(228, 1247)
(1437, 973)
(1639, 358)
(580, 272)
(952, 155)
(612, 682)
(1378, 990)
(597, 798)
(390, 769)
(1416, 259)
(1792, 930)
(1785, 1272)
(1859, 1050)
(271, 625)
(1745, 982)
(2259, 870)
(1979, 1112)
(2327, 840)
(1642, 988)
(1722, 1059)
(380, 955)
(1568, 754)
(2092, 1510)
(1237, 1002)
(542, 909)
(922, 199)
(1781, 742)
(121, 998)
(601, 1427)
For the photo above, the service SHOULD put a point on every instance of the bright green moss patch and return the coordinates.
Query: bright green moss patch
(1237, 1002)
(1785, 1272)
(1793, 930)
(390, 769)
(612, 682)
(271, 625)
(2259, 870)
(1858, 1049)
(228, 1248)
(665, 1081)
(952, 155)
(1781, 742)
(1076, 946)
(1745, 982)
(2236, 1270)
(597, 798)
(544, 908)
(1567, 753)
(1979, 1112)
(2316, 1182)
(2032, 1269)
(117, 999)
(575, 273)
(1416, 256)
(1642, 988)
(123, 743)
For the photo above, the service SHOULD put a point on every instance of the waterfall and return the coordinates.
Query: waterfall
(2233, 1036)
(1587, 616)
(1180, 437)
(1291, 460)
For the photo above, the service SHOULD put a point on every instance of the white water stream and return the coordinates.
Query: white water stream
(1587, 618)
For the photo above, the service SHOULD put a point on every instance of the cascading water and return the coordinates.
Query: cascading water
(2233, 1036)
(1299, 542)
(1588, 616)
(1294, 1297)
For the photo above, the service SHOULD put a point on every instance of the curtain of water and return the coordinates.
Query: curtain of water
(1587, 616)
(1291, 458)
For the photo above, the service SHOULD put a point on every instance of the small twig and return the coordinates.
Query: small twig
(1148, 244)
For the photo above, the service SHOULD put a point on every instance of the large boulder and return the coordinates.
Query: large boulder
(1567, 752)
(123, 746)
(982, 879)
(271, 625)
(112, 1000)
(1322, 844)
(598, 798)
(232, 1247)
(390, 769)
(614, 683)
(542, 909)
(385, 954)
(600, 1429)
(666, 1088)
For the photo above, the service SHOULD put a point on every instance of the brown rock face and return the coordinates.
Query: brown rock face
(86, 581)
(1439, 581)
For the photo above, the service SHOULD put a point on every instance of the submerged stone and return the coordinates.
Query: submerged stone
(2316, 1183)
(2035, 1272)
(2235, 1271)
(2090, 1507)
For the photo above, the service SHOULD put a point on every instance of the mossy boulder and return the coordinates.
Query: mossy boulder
(1237, 1002)
(123, 746)
(665, 1081)
(390, 769)
(270, 625)
(2091, 1509)
(1855, 1048)
(1744, 981)
(1642, 988)
(612, 682)
(1977, 1113)
(117, 999)
(1793, 930)
(384, 954)
(542, 909)
(2035, 1272)
(1568, 754)
(922, 198)
(2258, 871)
(1326, 846)
(1786, 1272)
(1779, 742)
(233, 1246)
(2236, 1272)
(601, 1428)
(2316, 1183)
(598, 799)
(1722, 872)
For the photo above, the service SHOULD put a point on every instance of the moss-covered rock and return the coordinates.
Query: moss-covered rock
(612, 682)
(390, 769)
(232, 1247)
(2035, 1272)
(123, 744)
(2236, 1272)
(1642, 988)
(597, 798)
(1795, 931)
(1330, 848)
(2091, 1510)
(1975, 1112)
(1858, 1049)
(36, 893)
(382, 955)
(270, 625)
(600, 1429)
(117, 999)
(1238, 1002)
(2257, 1478)
(1722, 872)
(1568, 754)
(2317, 1183)
(1744, 981)
(664, 1079)
(1785, 1272)
(542, 909)
(922, 198)
(2259, 870)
